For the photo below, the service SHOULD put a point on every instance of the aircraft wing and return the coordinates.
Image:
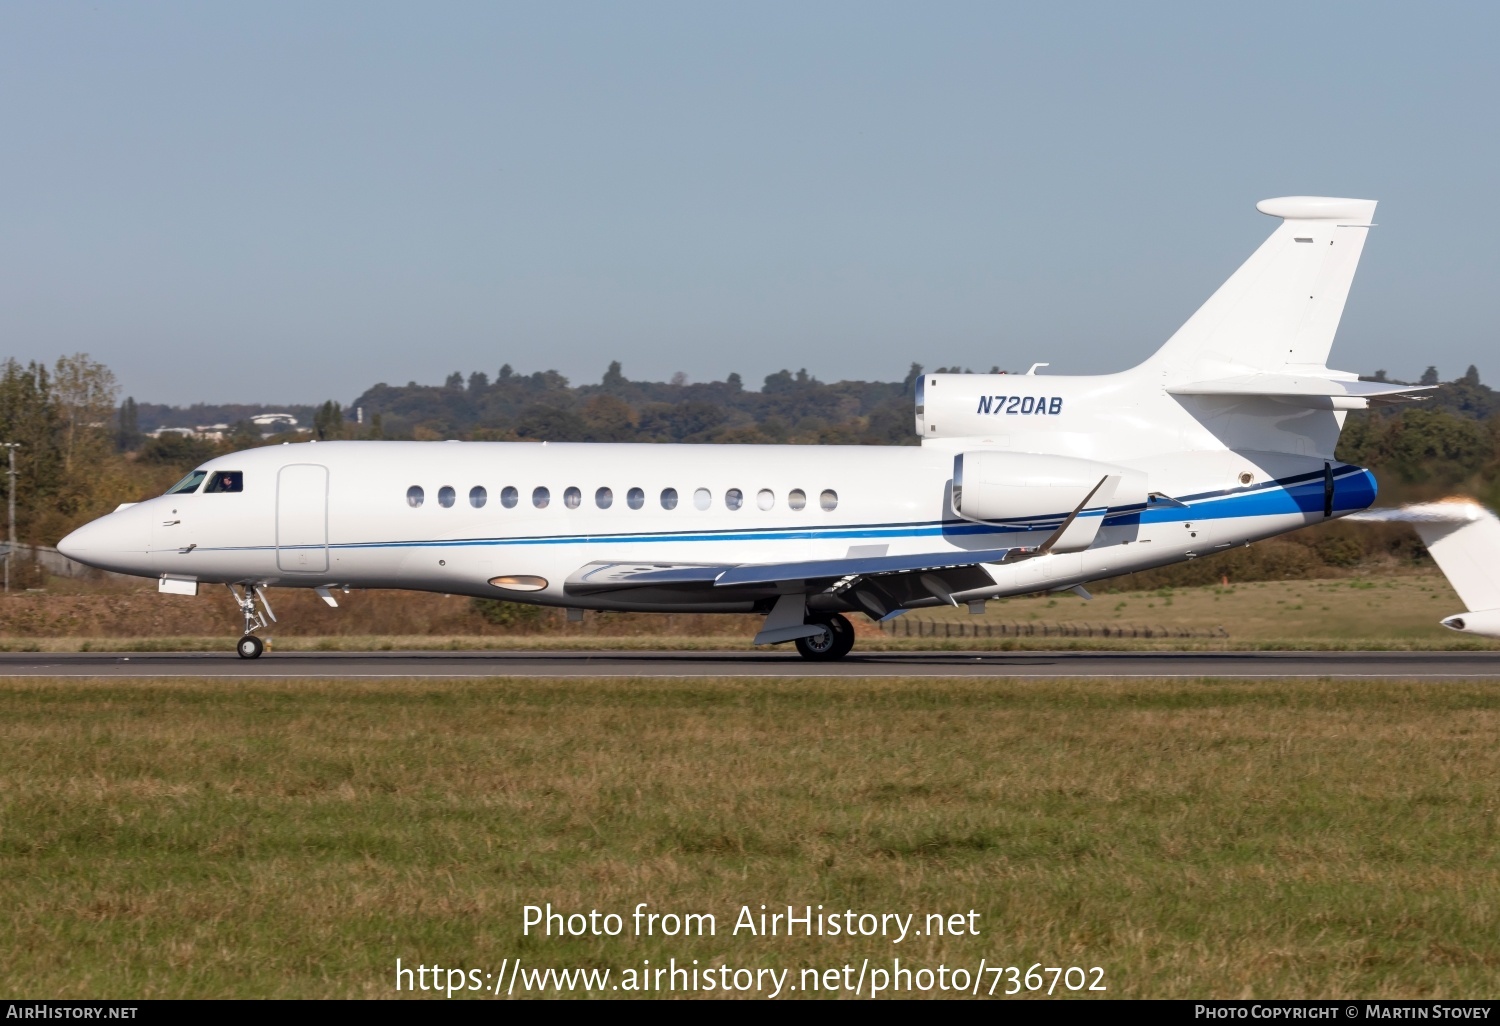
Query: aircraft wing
(878, 583)
(855, 566)
(1311, 389)
(608, 576)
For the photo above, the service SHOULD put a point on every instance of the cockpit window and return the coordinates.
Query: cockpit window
(226, 481)
(187, 484)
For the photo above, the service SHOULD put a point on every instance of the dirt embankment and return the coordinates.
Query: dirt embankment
(107, 611)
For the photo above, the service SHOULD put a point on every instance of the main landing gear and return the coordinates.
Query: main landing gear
(835, 641)
(249, 646)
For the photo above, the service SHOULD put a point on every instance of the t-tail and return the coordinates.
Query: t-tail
(1248, 371)
(1276, 316)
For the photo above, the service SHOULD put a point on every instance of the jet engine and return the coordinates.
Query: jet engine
(993, 485)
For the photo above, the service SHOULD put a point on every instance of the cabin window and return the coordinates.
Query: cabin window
(734, 498)
(796, 498)
(702, 499)
(414, 496)
(604, 498)
(478, 496)
(446, 495)
(509, 496)
(669, 498)
(765, 498)
(226, 481)
(187, 484)
(635, 498)
(829, 500)
(572, 497)
(540, 497)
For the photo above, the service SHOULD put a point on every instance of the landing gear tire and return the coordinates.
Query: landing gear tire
(249, 646)
(834, 643)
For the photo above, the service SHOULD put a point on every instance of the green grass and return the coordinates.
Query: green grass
(209, 838)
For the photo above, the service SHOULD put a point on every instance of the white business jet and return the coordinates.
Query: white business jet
(1464, 539)
(1022, 483)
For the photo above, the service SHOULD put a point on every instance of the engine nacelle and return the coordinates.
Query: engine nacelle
(1485, 622)
(995, 485)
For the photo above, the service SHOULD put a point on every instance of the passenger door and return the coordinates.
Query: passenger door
(302, 518)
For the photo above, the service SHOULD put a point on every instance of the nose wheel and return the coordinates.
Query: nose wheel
(249, 646)
(835, 641)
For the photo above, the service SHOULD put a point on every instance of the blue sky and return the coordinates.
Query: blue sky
(289, 202)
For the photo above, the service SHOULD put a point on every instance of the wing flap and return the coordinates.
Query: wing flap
(610, 576)
(858, 566)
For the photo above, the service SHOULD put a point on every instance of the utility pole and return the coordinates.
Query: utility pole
(10, 549)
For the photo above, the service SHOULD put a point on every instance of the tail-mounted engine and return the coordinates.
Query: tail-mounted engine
(990, 485)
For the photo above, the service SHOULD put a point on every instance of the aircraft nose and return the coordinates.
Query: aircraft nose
(76, 544)
(106, 543)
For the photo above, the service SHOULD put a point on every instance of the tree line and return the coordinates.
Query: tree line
(788, 408)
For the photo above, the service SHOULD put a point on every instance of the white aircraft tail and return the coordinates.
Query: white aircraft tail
(1261, 342)
(1279, 311)
(1464, 539)
(1248, 371)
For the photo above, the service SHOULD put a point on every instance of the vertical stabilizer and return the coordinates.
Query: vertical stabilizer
(1279, 311)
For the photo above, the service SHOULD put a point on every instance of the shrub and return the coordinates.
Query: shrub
(512, 615)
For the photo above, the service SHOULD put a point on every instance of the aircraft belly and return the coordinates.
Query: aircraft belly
(224, 565)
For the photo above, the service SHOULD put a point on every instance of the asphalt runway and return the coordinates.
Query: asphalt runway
(1408, 665)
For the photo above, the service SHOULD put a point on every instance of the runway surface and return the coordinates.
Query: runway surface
(1410, 665)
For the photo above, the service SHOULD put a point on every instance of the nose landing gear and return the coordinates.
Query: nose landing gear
(835, 641)
(249, 646)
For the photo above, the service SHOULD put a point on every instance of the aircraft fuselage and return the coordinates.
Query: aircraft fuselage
(346, 514)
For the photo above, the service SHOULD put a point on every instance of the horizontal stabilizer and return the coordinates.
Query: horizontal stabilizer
(857, 566)
(1312, 391)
